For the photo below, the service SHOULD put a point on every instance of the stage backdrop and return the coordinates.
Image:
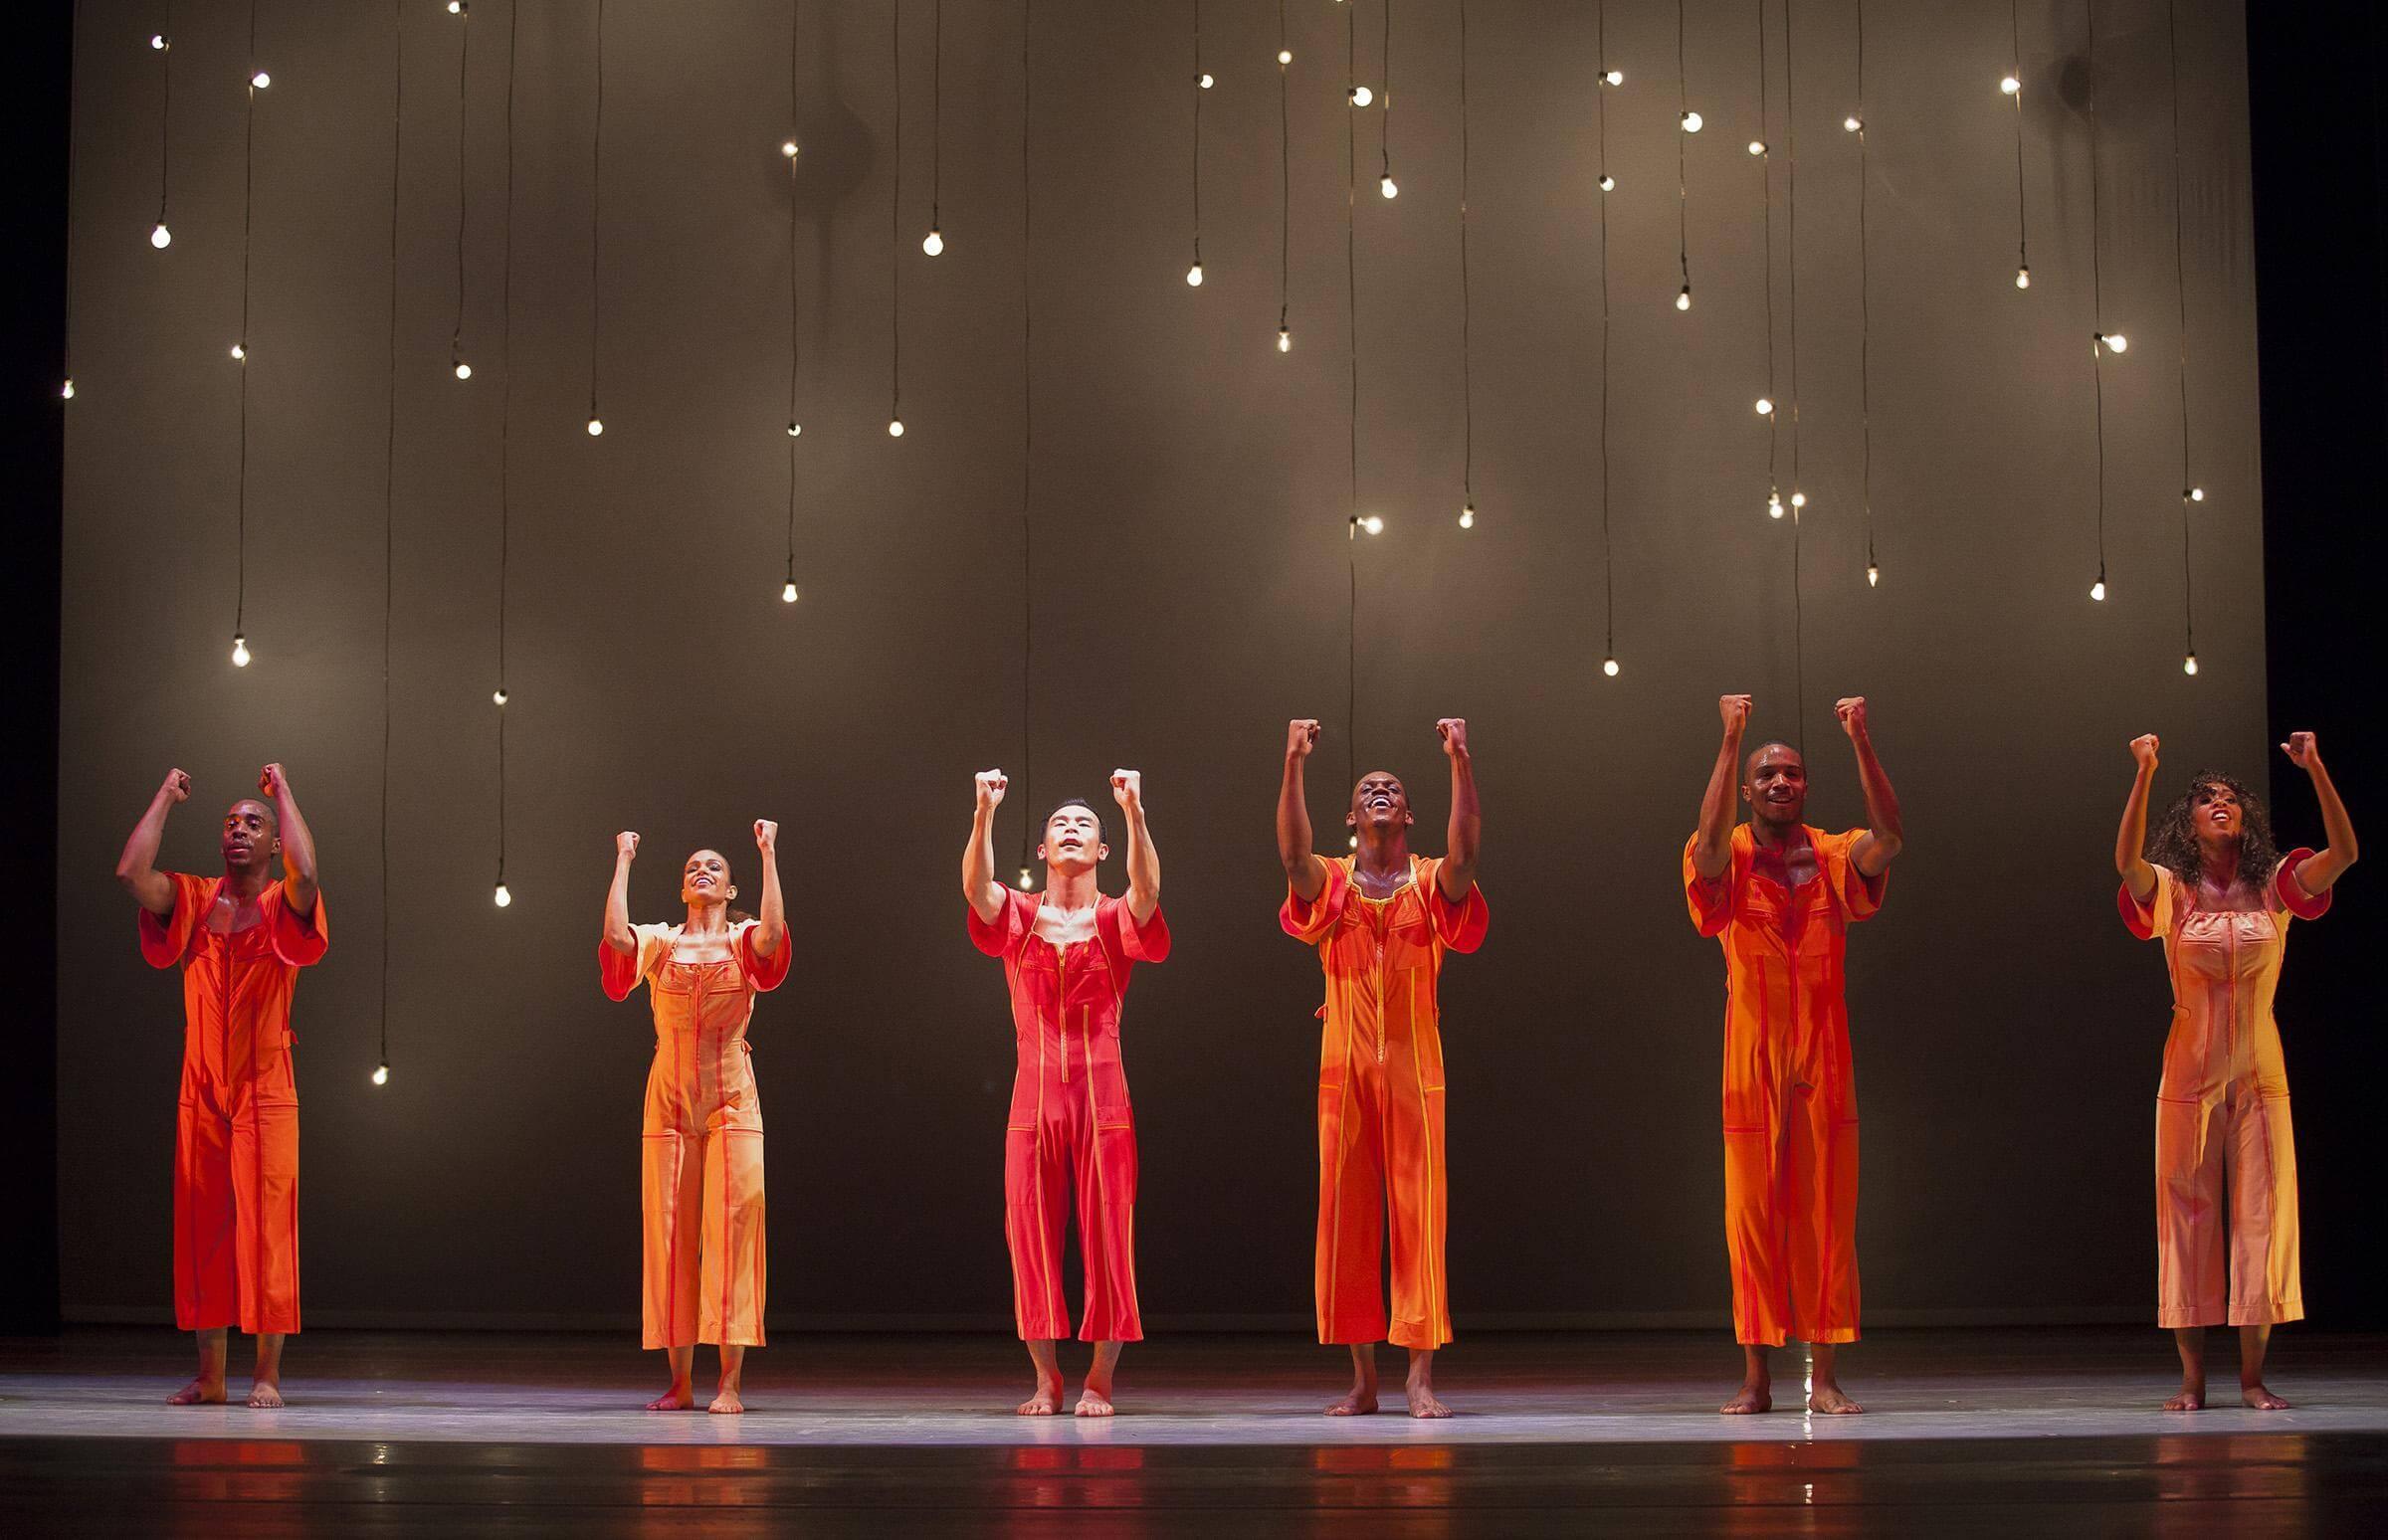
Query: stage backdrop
(1190, 596)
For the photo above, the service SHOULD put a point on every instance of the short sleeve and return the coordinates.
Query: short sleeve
(620, 972)
(1710, 900)
(165, 937)
(1859, 895)
(1310, 922)
(1148, 942)
(1001, 936)
(1459, 926)
(764, 973)
(2291, 894)
(2152, 919)
(299, 940)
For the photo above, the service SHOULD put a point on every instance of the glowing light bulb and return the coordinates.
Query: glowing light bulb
(161, 237)
(2189, 664)
(382, 1071)
(1194, 276)
(1361, 95)
(2115, 342)
(933, 242)
(239, 650)
(1613, 77)
(1852, 123)
(2023, 278)
(65, 392)
(1205, 82)
(2097, 589)
(1468, 516)
(1284, 340)
(795, 428)
(895, 427)
(1774, 504)
(240, 354)
(464, 370)
(1025, 880)
(787, 595)
(261, 80)
(1608, 183)
(1285, 56)
(1385, 185)
(501, 898)
(596, 426)
(1873, 575)
(1608, 665)
(2010, 84)
(1354, 841)
(1374, 524)
(1799, 500)
(157, 39)
(1693, 123)
(456, 7)
(2196, 493)
(1683, 302)
(1766, 407)
(1757, 146)
(497, 696)
(788, 148)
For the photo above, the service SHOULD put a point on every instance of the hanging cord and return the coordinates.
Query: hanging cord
(1865, 322)
(2023, 245)
(389, 497)
(240, 590)
(895, 232)
(1028, 447)
(1285, 188)
(506, 418)
(1683, 173)
(1799, 498)
(2190, 492)
(2098, 306)
(1467, 318)
(596, 211)
(463, 62)
(795, 314)
(1352, 302)
(1765, 158)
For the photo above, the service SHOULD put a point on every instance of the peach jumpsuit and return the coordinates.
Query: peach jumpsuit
(1380, 1099)
(1070, 1124)
(2222, 1107)
(1790, 1090)
(236, 1128)
(701, 1143)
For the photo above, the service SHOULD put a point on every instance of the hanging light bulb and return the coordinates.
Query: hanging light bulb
(1374, 524)
(1799, 500)
(1693, 123)
(382, 1071)
(933, 242)
(464, 370)
(1757, 146)
(239, 650)
(456, 7)
(1025, 880)
(2097, 589)
(497, 696)
(1766, 407)
(1205, 82)
(1774, 504)
(2189, 665)
(161, 237)
(1852, 123)
(1873, 575)
(1385, 185)
(1682, 300)
(596, 426)
(1613, 77)
(2115, 341)
(1354, 841)
(1285, 340)
(1361, 95)
(2010, 84)
(65, 392)
(1468, 516)
(2196, 493)
(1194, 276)
(1608, 183)
(261, 80)
(895, 427)
(157, 39)
(795, 428)
(1285, 56)
(788, 148)
(787, 594)
(240, 354)
(501, 898)
(2023, 278)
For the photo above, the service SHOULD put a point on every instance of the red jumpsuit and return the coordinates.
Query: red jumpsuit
(236, 1128)
(701, 1146)
(1070, 1123)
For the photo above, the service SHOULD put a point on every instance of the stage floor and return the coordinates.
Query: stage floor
(419, 1433)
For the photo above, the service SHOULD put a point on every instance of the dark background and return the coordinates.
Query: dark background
(1190, 485)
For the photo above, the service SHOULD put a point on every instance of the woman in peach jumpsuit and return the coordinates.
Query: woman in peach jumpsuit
(2211, 887)
(701, 1143)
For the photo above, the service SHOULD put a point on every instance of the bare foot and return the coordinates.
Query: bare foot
(1753, 1396)
(725, 1401)
(1424, 1401)
(200, 1391)
(1045, 1403)
(1090, 1403)
(678, 1398)
(1832, 1401)
(265, 1395)
(1359, 1404)
(2259, 1399)
(2191, 1399)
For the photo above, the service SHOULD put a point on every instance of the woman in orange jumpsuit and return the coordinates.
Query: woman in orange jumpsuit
(239, 940)
(1382, 920)
(701, 1143)
(1780, 896)
(2211, 887)
(1066, 954)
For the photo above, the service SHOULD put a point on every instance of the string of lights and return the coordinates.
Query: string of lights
(389, 510)
(257, 80)
(787, 149)
(2190, 490)
(1285, 188)
(1466, 309)
(2012, 85)
(1385, 185)
(1202, 83)
(1600, 156)
(1687, 124)
(596, 221)
(895, 232)
(1765, 403)
(935, 242)
(2101, 341)
(464, 66)
(1874, 572)
(1027, 460)
(162, 43)
(502, 895)
(66, 372)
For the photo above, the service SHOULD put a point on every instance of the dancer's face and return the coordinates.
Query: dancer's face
(1379, 804)
(1073, 840)
(251, 837)
(1775, 785)
(2215, 814)
(706, 878)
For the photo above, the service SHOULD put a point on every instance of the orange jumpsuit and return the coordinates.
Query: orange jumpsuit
(236, 1125)
(1070, 1123)
(2222, 1107)
(1380, 1099)
(700, 1147)
(1790, 1092)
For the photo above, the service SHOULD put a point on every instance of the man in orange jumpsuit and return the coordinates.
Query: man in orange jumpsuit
(1066, 954)
(241, 941)
(1382, 920)
(1781, 896)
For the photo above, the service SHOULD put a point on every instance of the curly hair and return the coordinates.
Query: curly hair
(2173, 843)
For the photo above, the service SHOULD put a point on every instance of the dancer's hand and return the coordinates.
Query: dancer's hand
(1852, 712)
(272, 781)
(1301, 736)
(178, 787)
(626, 845)
(1454, 732)
(2303, 751)
(766, 836)
(1736, 712)
(992, 784)
(1127, 789)
(2143, 749)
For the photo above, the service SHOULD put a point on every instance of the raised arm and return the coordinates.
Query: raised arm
(979, 857)
(1466, 835)
(297, 844)
(618, 933)
(2317, 874)
(1304, 869)
(136, 868)
(774, 928)
(1143, 861)
(1713, 847)
(2130, 841)
(1883, 839)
